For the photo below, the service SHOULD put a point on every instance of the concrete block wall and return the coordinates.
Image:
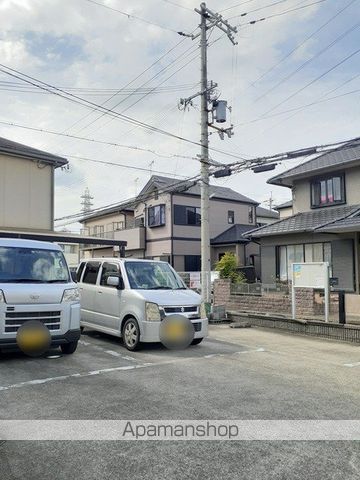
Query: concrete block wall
(308, 302)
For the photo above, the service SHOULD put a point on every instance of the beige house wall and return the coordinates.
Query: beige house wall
(218, 216)
(107, 221)
(286, 212)
(302, 191)
(26, 194)
(156, 232)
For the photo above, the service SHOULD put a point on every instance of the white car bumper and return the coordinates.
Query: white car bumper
(151, 330)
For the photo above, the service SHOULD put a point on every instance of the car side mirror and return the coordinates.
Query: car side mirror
(117, 282)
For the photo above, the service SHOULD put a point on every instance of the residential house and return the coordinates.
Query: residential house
(27, 195)
(285, 209)
(166, 223)
(325, 224)
(26, 186)
(265, 216)
(71, 253)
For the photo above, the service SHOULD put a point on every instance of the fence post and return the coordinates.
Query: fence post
(342, 312)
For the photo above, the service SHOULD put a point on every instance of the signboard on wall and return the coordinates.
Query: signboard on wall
(195, 280)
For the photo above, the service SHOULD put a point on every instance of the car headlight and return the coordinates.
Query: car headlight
(152, 312)
(203, 312)
(71, 295)
(2, 297)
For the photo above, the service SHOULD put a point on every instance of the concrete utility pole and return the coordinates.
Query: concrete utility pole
(205, 200)
(218, 108)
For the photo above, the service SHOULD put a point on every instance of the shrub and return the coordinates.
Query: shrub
(227, 268)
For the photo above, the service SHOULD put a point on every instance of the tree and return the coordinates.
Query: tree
(227, 267)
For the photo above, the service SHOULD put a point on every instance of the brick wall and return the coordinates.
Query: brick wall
(309, 303)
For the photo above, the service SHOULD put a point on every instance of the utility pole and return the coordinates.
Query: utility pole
(217, 108)
(204, 186)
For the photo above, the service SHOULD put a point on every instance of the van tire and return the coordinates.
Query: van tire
(131, 334)
(196, 341)
(69, 348)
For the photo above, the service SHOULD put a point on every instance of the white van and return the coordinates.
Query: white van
(129, 298)
(35, 284)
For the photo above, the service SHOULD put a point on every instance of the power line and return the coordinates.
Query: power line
(257, 9)
(130, 16)
(178, 5)
(235, 6)
(302, 43)
(313, 81)
(303, 65)
(138, 199)
(285, 12)
(114, 164)
(92, 140)
(86, 103)
(237, 168)
(301, 107)
(143, 96)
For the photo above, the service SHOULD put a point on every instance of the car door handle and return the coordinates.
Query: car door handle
(99, 292)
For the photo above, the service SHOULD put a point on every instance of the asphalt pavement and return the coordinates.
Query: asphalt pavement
(234, 374)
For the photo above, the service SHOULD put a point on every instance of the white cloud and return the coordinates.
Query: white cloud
(79, 44)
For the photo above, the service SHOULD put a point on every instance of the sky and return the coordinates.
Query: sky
(94, 50)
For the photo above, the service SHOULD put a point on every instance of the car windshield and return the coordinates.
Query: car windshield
(31, 265)
(152, 276)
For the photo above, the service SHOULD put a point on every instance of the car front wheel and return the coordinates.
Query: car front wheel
(69, 348)
(131, 334)
(196, 341)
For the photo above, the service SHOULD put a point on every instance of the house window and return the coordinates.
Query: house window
(308, 252)
(231, 216)
(328, 191)
(184, 215)
(192, 263)
(98, 231)
(251, 214)
(69, 248)
(156, 216)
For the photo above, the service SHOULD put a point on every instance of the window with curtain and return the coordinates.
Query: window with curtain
(328, 191)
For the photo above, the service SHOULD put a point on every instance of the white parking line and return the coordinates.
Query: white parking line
(108, 352)
(91, 373)
(357, 364)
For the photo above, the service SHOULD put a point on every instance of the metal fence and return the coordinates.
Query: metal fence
(259, 289)
(193, 279)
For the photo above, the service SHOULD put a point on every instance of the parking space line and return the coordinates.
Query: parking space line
(357, 364)
(42, 381)
(113, 353)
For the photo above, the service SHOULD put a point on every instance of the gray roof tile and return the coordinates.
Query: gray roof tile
(19, 150)
(188, 188)
(305, 222)
(233, 234)
(284, 205)
(265, 212)
(351, 223)
(346, 155)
